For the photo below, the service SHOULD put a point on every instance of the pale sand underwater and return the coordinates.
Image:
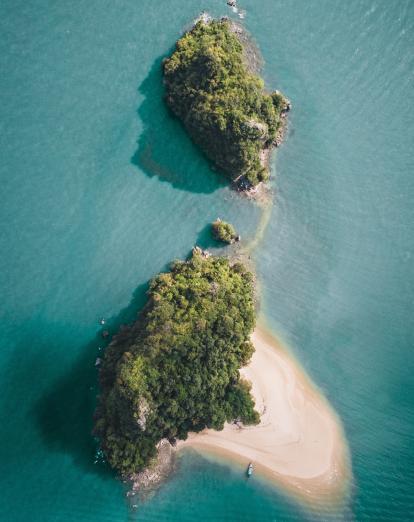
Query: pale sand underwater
(299, 442)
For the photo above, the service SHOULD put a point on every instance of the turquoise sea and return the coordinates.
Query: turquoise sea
(101, 189)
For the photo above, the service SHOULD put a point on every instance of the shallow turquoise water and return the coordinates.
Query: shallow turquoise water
(101, 189)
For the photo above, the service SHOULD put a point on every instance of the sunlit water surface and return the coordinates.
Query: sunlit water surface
(101, 189)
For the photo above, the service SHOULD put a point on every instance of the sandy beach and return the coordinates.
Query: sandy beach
(299, 442)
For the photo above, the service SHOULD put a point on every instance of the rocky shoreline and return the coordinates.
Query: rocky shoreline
(151, 477)
(254, 63)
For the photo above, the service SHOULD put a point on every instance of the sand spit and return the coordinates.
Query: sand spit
(299, 442)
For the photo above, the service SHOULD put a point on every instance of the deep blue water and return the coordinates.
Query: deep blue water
(101, 189)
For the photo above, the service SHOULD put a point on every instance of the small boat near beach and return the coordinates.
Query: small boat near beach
(250, 469)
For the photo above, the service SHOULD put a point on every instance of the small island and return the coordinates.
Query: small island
(176, 369)
(211, 87)
(224, 232)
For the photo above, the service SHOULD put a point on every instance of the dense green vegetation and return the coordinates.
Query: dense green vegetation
(222, 104)
(176, 369)
(223, 231)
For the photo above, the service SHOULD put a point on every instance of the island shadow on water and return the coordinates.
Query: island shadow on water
(64, 414)
(164, 148)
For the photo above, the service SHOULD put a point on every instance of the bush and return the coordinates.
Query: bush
(223, 231)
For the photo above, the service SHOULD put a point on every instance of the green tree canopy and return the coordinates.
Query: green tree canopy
(176, 369)
(221, 103)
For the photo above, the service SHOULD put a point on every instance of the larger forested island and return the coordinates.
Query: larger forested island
(222, 103)
(175, 369)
